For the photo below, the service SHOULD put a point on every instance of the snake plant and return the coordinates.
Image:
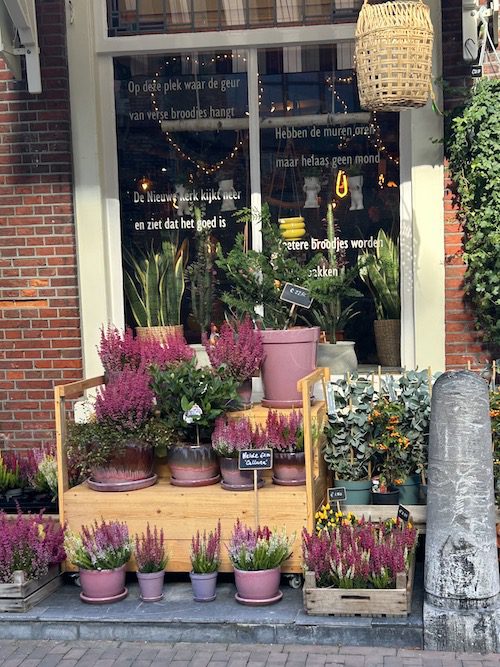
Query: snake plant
(380, 272)
(154, 282)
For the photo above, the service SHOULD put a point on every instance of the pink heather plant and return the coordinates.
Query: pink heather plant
(285, 432)
(205, 551)
(127, 401)
(29, 543)
(103, 546)
(239, 349)
(231, 436)
(363, 555)
(260, 549)
(150, 553)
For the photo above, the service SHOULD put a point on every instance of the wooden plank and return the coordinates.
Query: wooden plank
(77, 389)
(26, 603)
(22, 588)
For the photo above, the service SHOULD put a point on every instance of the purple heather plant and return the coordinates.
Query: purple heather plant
(150, 552)
(127, 401)
(103, 546)
(359, 555)
(239, 348)
(231, 436)
(205, 551)
(285, 432)
(29, 543)
(258, 549)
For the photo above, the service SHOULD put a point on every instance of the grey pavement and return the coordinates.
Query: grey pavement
(52, 653)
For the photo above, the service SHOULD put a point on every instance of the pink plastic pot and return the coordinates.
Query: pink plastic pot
(151, 585)
(289, 355)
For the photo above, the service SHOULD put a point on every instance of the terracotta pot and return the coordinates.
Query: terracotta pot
(132, 468)
(103, 586)
(289, 468)
(204, 586)
(151, 585)
(193, 465)
(258, 586)
(234, 479)
(289, 355)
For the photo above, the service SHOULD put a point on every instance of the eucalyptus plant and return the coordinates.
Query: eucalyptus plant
(475, 165)
(154, 282)
(379, 270)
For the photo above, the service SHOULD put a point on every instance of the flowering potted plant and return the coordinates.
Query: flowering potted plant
(256, 278)
(28, 481)
(101, 552)
(205, 562)
(349, 553)
(238, 349)
(30, 549)
(257, 556)
(228, 439)
(285, 435)
(116, 445)
(189, 400)
(151, 558)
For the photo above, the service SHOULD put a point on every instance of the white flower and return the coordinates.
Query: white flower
(193, 414)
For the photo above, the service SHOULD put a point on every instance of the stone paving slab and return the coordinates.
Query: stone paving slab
(52, 653)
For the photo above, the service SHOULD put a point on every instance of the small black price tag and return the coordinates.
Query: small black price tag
(297, 295)
(403, 513)
(255, 459)
(337, 494)
(476, 71)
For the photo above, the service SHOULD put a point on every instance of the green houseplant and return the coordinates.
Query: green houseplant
(154, 283)
(475, 166)
(379, 270)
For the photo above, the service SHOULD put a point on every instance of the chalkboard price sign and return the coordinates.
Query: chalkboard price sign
(297, 295)
(403, 513)
(255, 459)
(337, 494)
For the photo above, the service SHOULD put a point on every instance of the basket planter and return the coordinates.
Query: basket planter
(24, 594)
(359, 601)
(394, 55)
(388, 342)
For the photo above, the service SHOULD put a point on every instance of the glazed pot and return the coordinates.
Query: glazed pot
(151, 585)
(289, 468)
(193, 465)
(258, 586)
(358, 492)
(204, 586)
(234, 479)
(131, 468)
(103, 586)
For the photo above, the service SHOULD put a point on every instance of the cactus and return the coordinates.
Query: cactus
(154, 283)
(380, 272)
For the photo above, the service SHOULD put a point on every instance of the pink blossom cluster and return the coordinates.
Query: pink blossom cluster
(285, 432)
(118, 351)
(232, 435)
(359, 556)
(150, 553)
(105, 545)
(29, 543)
(205, 551)
(127, 400)
(239, 349)
(244, 540)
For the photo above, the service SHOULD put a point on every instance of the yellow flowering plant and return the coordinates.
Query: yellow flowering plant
(327, 517)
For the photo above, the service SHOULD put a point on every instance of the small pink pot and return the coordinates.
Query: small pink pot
(151, 585)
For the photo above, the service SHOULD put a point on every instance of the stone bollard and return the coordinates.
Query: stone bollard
(462, 601)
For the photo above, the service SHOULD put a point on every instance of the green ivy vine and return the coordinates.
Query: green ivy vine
(474, 155)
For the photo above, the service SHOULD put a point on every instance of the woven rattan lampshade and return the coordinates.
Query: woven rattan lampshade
(394, 55)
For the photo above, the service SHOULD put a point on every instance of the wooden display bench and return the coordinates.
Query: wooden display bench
(181, 511)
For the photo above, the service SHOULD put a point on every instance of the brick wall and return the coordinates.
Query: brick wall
(39, 323)
(463, 342)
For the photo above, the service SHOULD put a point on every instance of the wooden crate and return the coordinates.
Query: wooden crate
(181, 511)
(22, 595)
(359, 601)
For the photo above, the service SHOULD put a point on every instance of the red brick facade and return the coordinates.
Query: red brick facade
(40, 343)
(39, 317)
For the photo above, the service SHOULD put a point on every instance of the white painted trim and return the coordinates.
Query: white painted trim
(254, 147)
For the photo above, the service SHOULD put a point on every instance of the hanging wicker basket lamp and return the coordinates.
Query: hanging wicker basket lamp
(394, 55)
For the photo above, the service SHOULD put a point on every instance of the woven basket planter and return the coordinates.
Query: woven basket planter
(388, 342)
(394, 55)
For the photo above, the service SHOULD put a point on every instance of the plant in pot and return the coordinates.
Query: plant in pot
(201, 277)
(31, 548)
(101, 552)
(257, 556)
(346, 450)
(151, 559)
(154, 285)
(379, 270)
(116, 446)
(11, 481)
(205, 563)
(284, 433)
(230, 436)
(240, 352)
(255, 282)
(332, 290)
(189, 400)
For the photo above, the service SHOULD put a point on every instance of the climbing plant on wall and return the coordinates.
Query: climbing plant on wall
(475, 164)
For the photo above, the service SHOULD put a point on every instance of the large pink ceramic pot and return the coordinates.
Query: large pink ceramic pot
(258, 586)
(129, 469)
(103, 586)
(289, 355)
